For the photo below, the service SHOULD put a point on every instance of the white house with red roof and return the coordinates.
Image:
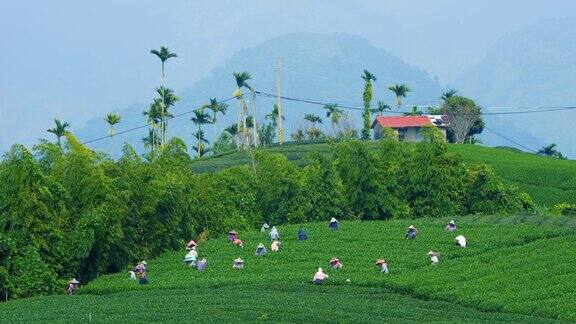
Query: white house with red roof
(409, 128)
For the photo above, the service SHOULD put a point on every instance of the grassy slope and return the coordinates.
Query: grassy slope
(523, 259)
(547, 180)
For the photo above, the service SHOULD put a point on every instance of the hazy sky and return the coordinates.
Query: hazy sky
(76, 59)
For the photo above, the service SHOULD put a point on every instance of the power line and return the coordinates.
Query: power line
(510, 140)
(322, 103)
(150, 124)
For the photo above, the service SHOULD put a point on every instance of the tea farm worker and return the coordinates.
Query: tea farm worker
(260, 249)
(190, 258)
(382, 265)
(132, 275)
(319, 277)
(335, 263)
(301, 235)
(201, 264)
(143, 278)
(451, 227)
(238, 243)
(73, 286)
(460, 241)
(140, 267)
(190, 245)
(275, 246)
(264, 227)
(333, 224)
(232, 235)
(434, 257)
(411, 232)
(238, 263)
(274, 234)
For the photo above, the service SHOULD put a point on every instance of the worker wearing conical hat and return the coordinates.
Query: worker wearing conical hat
(383, 265)
(319, 277)
(411, 232)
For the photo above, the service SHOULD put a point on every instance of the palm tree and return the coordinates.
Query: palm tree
(313, 119)
(313, 132)
(151, 141)
(112, 119)
(216, 107)
(200, 148)
(400, 90)
(233, 130)
(168, 99)
(448, 94)
(381, 108)
(60, 129)
(334, 113)
(154, 114)
(242, 82)
(413, 112)
(550, 150)
(163, 54)
(201, 118)
(367, 97)
(273, 115)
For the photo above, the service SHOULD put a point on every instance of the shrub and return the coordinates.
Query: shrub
(564, 209)
(485, 193)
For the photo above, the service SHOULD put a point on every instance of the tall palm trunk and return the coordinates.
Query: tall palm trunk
(163, 121)
(215, 130)
(253, 98)
(244, 124)
(367, 96)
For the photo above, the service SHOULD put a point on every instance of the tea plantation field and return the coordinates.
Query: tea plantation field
(515, 269)
(548, 181)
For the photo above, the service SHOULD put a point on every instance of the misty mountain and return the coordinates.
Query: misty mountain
(533, 67)
(313, 66)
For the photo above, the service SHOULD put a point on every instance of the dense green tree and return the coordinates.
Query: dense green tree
(224, 143)
(463, 117)
(33, 207)
(432, 179)
(370, 189)
(280, 194)
(486, 193)
(367, 98)
(323, 190)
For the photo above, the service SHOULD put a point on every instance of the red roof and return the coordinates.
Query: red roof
(402, 121)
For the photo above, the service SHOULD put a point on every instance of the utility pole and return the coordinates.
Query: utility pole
(279, 105)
